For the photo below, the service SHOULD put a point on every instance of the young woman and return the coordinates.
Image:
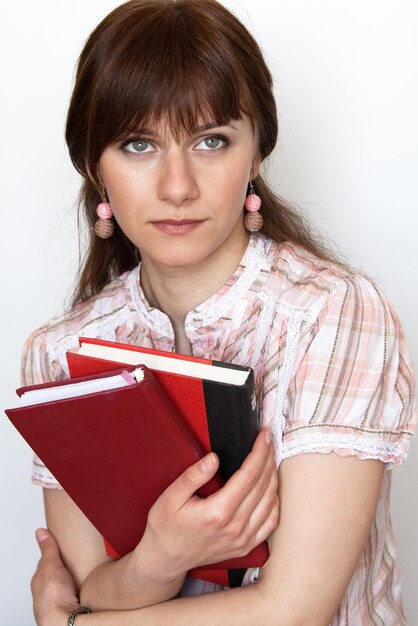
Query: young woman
(171, 117)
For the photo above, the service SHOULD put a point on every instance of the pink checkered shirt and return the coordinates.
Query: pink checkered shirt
(332, 370)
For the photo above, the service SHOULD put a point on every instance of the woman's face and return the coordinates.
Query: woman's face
(181, 203)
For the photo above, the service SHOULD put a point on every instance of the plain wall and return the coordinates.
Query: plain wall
(345, 75)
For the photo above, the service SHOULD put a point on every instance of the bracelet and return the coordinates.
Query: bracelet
(72, 616)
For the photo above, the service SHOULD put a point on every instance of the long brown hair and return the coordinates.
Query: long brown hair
(189, 62)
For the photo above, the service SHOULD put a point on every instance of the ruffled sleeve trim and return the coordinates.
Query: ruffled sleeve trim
(390, 452)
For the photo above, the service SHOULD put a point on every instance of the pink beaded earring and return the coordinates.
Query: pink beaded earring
(104, 227)
(253, 220)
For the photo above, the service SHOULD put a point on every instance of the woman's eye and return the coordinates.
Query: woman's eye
(138, 146)
(211, 143)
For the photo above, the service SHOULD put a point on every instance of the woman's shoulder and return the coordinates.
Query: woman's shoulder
(302, 268)
(43, 357)
(350, 386)
(308, 283)
(318, 300)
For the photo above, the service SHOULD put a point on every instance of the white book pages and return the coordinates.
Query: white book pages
(60, 392)
(184, 367)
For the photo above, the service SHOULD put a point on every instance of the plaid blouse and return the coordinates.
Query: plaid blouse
(332, 371)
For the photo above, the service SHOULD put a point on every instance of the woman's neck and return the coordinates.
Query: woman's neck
(176, 291)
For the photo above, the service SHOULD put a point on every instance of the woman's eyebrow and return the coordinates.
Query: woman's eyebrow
(143, 131)
(153, 134)
(210, 126)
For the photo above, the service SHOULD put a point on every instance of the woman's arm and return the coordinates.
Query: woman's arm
(183, 532)
(327, 508)
(82, 549)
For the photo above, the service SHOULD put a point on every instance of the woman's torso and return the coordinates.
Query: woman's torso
(267, 316)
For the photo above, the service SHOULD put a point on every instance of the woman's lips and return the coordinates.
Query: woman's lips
(177, 227)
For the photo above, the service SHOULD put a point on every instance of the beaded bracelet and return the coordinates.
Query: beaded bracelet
(72, 616)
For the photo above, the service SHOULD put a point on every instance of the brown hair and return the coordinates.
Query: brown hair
(187, 61)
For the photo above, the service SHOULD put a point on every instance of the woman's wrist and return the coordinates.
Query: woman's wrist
(147, 564)
(148, 561)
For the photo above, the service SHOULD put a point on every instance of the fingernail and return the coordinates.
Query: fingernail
(41, 534)
(207, 462)
(267, 435)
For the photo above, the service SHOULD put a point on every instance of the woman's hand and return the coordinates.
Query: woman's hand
(53, 588)
(185, 531)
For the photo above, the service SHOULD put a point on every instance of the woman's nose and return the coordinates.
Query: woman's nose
(177, 184)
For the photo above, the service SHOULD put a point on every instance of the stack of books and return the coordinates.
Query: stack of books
(127, 423)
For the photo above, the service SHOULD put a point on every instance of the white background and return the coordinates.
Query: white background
(346, 83)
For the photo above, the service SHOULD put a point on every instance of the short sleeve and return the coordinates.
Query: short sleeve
(352, 388)
(36, 368)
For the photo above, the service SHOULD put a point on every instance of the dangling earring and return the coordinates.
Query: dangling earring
(104, 227)
(253, 220)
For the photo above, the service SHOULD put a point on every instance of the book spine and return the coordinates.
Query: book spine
(233, 422)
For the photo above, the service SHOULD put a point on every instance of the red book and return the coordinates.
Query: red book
(113, 449)
(217, 402)
(114, 474)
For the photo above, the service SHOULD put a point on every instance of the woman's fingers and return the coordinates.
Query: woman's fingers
(244, 504)
(246, 486)
(194, 477)
(263, 494)
(254, 470)
(185, 531)
(49, 548)
(50, 566)
(248, 519)
(262, 518)
(53, 588)
(268, 526)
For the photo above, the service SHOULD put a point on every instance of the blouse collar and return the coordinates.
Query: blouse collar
(218, 304)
